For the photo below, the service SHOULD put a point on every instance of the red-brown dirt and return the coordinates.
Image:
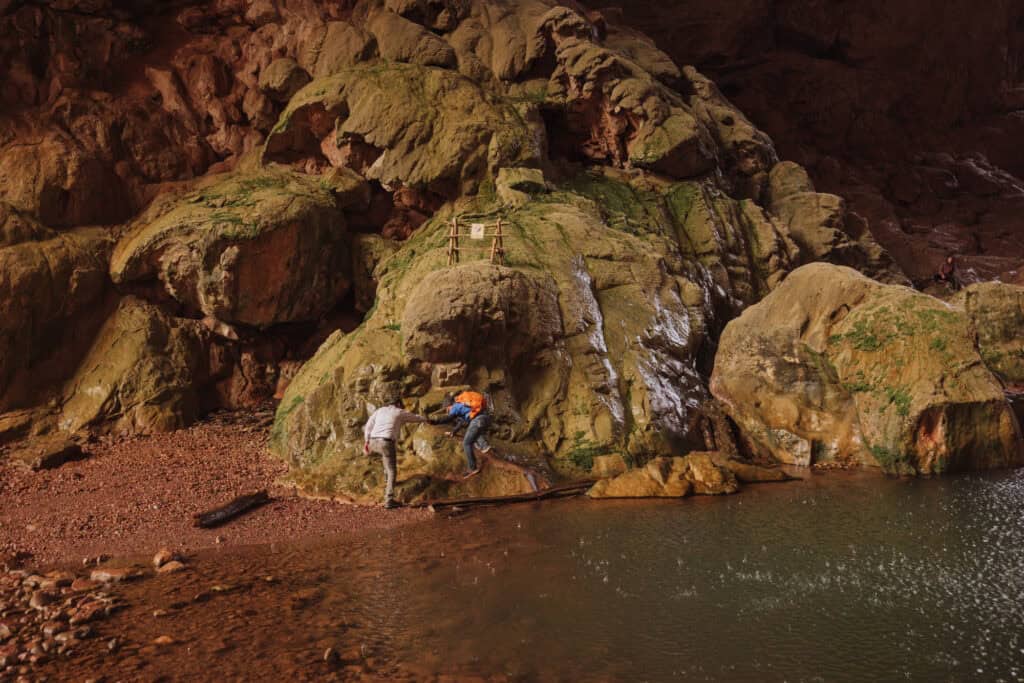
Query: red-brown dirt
(135, 496)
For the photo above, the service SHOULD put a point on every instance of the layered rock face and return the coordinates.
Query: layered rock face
(833, 366)
(912, 112)
(202, 204)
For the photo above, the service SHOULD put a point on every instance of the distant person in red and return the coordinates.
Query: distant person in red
(948, 275)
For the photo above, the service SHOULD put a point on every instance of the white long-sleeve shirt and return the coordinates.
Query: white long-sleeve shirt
(387, 422)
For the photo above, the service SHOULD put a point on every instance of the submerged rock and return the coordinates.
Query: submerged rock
(835, 366)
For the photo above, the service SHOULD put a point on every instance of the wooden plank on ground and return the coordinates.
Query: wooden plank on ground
(571, 489)
(226, 513)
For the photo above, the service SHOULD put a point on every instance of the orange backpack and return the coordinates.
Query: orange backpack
(476, 402)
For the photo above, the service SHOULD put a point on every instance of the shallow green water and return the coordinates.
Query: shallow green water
(841, 577)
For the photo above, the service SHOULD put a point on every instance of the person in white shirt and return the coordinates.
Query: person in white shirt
(380, 433)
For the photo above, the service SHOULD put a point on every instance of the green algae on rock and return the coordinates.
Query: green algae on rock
(997, 311)
(588, 341)
(405, 125)
(216, 248)
(143, 374)
(833, 366)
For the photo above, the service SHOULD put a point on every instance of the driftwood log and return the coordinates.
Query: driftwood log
(565, 490)
(226, 513)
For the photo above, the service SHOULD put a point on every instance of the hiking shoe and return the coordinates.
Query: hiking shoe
(391, 504)
(471, 473)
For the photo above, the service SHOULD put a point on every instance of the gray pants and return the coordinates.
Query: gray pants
(386, 450)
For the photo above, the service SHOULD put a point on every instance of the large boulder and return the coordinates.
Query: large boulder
(588, 340)
(619, 114)
(144, 373)
(404, 125)
(401, 40)
(337, 46)
(16, 227)
(52, 301)
(479, 313)
(696, 474)
(282, 78)
(834, 366)
(256, 248)
(997, 311)
(57, 178)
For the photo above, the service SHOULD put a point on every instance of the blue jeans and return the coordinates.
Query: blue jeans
(476, 434)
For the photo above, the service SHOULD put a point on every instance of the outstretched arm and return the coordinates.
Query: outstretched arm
(460, 424)
(410, 418)
(443, 420)
(367, 430)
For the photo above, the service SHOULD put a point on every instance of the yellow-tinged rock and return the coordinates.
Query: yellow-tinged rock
(608, 466)
(677, 477)
(833, 366)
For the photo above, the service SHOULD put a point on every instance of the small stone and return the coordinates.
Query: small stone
(87, 612)
(114, 575)
(81, 585)
(48, 452)
(41, 599)
(114, 644)
(52, 628)
(65, 637)
(331, 657)
(60, 579)
(163, 640)
(5, 632)
(164, 556)
(95, 560)
(172, 567)
(160, 613)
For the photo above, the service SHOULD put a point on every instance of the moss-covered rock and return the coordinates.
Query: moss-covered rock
(216, 248)
(834, 366)
(52, 301)
(401, 40)
(588, 340)
(997, 311)
(368, 252)
(427, 127)
(820, 224)
(282, 78)
(144, 373)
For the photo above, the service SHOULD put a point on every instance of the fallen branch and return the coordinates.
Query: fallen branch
(573, 489)
(226, 513)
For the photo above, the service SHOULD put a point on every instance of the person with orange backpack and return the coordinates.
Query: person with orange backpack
(470, 410)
